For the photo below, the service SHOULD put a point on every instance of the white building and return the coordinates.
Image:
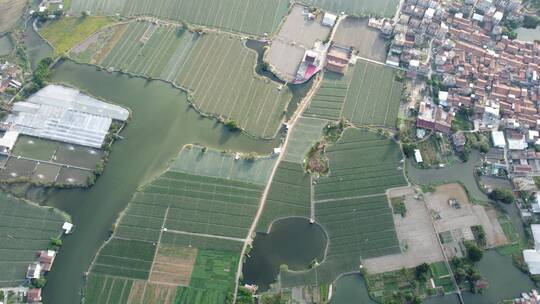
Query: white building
(532, 256)
(418, 156)
(498, 139)
(329, 19)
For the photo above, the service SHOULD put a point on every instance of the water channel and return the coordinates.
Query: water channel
(291, 241)
(162, 123)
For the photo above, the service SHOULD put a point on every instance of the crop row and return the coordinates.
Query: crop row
(328, 102)
(233, 15)
(373, 96)
(289, 195)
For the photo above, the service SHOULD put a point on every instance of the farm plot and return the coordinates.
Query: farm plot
(107, 289)
(357, 229)
(328, 102)
(373, 95)
(184, 229)
(290, 195)
(361, 163)
(26, 229)
(220, 74)
(10, 13)
(366, 42)
(144, 48)
(384, 8)
(217, 69)
(173, 265)
(305, 134)
(66, 33)
(232, 15)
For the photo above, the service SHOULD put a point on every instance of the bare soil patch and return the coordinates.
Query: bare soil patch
(173, 265)
(416, 235)
(459, 219)
(144, 292)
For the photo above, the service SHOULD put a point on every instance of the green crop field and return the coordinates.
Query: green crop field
(384, 8)
(26, 229)
(217, 69)
(373, 95)
(367, 95)
(328, 102)
(289, 195)
(361, 163)
(306, 133)
(65, 33)
(232, 15)
(207, 202)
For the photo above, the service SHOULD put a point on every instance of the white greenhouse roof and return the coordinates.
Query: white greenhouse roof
(67, 115)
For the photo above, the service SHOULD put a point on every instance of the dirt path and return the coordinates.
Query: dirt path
(292, 123)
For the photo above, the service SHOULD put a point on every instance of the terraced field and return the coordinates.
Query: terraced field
(26, 229)
(384, 8)
(232, 15)
(373, 95)
(217, 70)
(191, 219)
(361, 163)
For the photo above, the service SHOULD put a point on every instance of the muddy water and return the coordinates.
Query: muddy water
(162, 123)
(292, 241)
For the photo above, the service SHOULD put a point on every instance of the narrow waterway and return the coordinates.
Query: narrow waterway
(458, 172)
(162, 123)
(292, 241)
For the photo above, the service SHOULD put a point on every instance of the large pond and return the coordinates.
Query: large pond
(292, 241)
(162, 123)
(36, 48)
(351, 288)
(6, 46)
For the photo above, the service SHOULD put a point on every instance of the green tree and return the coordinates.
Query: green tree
(421, 271)
(502, 195)
(39, 282)
(408, 150)
(232, 125)
(42, 74)
(474, 253)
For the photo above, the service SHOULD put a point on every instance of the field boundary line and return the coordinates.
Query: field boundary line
(347, 198)
(207, 235)
(158, 241)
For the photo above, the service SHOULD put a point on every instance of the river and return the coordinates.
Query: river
(162, 123)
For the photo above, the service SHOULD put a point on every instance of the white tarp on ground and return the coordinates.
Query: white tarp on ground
(65, 114)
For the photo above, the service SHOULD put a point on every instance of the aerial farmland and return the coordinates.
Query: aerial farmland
(252, 151)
